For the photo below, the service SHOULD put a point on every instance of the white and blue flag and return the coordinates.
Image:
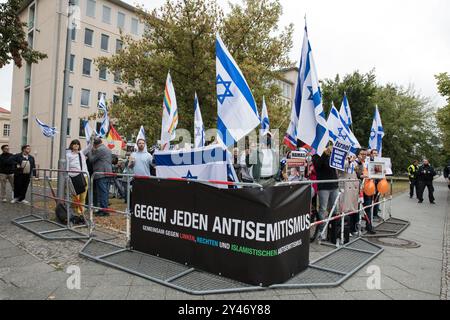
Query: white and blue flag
(237, 112)
(104, 128)
(376, 133)
(141, 136)
(265, 123)
(102, 103)
(345, 112)
(210, 163)
(312, 124)
(88, 131)
(338, 130)
(199, 129)
(47, 131)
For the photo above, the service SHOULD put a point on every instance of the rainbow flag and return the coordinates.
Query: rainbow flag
(169, 116)
(114, 136)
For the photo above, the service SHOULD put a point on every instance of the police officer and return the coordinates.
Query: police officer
(412, 173)
(425, 177)
(447, 173)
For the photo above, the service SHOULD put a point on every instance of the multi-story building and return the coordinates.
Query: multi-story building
(38, 88)
(5, 126)
(288, 85)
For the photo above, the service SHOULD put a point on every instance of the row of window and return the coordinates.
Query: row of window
(86, 97)
(89, 40)
(81, 132)
(91, 7)
(87, 70)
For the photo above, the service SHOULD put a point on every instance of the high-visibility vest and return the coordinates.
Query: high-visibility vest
(411, 171)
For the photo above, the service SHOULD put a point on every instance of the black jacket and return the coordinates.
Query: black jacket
(447, 171)
(325, 172)
(6, 166)
(426, 173)
(17, 159)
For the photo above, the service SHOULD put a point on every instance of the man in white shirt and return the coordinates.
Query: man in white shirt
(141, 160)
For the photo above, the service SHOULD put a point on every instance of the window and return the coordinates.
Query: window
(87, 67)
(115, 99)
(31, 16)
(134, 26)
(72, 62)
(30, 40)
(105, 42)
(90, 8)
(102, 73)
(70, 94)
(68, 126)
(24, 131)
(73, 34)
(6, 130)
(88, 37)
(28, 75)
(119, 45)
(121, 20)
(81, 131)
(106, 18)
(26, 103)
(85, 97)
(99, 95)
(117, 77)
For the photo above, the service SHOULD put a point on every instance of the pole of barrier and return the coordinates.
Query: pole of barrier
(66, 179)
(342, 225)
(31, 191)
(91, 205)
(45, 194)
(127, 210)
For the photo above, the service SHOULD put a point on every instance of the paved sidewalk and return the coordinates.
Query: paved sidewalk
(32, 268)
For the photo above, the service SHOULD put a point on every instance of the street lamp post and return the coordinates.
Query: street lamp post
(64, 111)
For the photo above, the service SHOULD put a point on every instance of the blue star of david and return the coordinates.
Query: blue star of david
(190, 176)
(341, 134)
(372, 134)
(311, 94)
(198, 131)
(227, 93)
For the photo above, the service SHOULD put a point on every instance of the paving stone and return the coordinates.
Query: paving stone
(406, 294)
(109, 293)
(146, 293)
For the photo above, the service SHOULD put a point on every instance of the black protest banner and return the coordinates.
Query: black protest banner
(259, 237)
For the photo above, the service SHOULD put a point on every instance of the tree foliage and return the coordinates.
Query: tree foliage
(407, 117)
(180, 37)
(443, 114)
(13, 42)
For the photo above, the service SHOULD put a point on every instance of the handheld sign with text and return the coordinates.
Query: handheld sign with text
(339, 154)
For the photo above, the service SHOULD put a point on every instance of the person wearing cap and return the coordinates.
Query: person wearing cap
(101, 158)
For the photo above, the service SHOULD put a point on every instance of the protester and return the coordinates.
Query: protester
(6, 171)
(101, 158)
(141, 160)
(360, 169)
(376, 197)
(447, 173)
(24, 167)
(256, 159)
(328, 192)
(412, 173)
(425, 178)
(76, 161)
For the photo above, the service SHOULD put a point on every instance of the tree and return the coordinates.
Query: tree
(180, 37)
(409, 129)
(13, 43)
(443, 114)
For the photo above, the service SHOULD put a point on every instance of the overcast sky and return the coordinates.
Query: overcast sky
(406, 41)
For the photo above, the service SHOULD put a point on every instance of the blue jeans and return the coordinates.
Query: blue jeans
(102, 187)
(327, 198)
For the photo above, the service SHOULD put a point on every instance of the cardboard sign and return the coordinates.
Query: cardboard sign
(339, 154)
(387, 165)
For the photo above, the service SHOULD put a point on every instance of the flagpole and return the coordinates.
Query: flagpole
(64, 111)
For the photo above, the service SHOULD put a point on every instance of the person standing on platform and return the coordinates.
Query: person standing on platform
(6, 171)
(425, 177)
(413, 170)
(141, 160)
(24, 167)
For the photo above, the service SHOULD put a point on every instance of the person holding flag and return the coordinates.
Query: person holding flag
(170, 115)
(199, 129)
(236, 107)
(141, 160)
(312, 125)
(376, 133)
(339, 130)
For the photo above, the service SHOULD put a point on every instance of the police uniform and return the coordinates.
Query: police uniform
(425, 177)
(412, 172)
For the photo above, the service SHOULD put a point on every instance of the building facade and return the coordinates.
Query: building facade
(38, 88)
(5, 126)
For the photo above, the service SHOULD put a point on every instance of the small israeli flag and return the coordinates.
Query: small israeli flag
(102, 103)
(88, 131)
(376, 133)
(345, 112)
(104, 129)
(237, 112)
(265, 123)
(199, 129)
(47, 131)
(338, 129)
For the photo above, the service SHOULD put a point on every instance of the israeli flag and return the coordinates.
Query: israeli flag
(376, 133)
(47, 131)
(199, 129)
(265, 123)
(210, 163)
(104, 128)
(345, 112)
(338, 129)
(141, 136)
(88, 132)
(237, 112)
(102, 103)
(312, 123)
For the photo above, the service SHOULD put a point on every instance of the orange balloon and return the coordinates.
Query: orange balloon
(383, 187)
(369, 188)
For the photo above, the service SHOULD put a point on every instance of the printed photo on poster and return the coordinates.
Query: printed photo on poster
(377, 170)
